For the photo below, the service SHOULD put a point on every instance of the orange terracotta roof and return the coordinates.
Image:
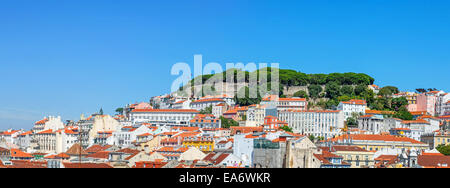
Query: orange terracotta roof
(355, 101)
(10, 132)
(149, 164)
(345, 148)
(100, 155)
(145, 134)
(208, 100)
(48, 131)
(128, 150)
(27, 164)
(433, 161)
(418, 113)
(378, 112)
(366, 116)
(179, 102)
(419, 121)
(86, 165)
(291, 99)
(16, 153)
(97, 148)
(428, 117)
(376, 137)
(41, 122)
(211, 157)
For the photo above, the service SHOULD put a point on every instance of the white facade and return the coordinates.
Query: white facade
(294, 103)
(164, 116)
(318, 123)
(443, 104)
(51, 122)
(125, 137)
(374, 124)
(184, 104)
(205, 103)
(352, 106)
(243, 148)
(256, 115)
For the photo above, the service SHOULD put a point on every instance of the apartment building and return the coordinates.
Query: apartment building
(323, 123)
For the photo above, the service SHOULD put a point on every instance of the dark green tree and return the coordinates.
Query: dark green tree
(347, 90)
(227, 123)
(397, 103)
(360, 89)
(314, 91)
(333, 90)
(286, 128)
(444, 149)
(301, 94)
(388, 91)
(207, 110)
(119, 111)
(246, 100)
(403, 114)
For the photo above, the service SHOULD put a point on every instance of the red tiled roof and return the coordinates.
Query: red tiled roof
(376, 137)
(434, 161)
(149, 164)
(291, 99)
(97, 148)
(208, 100)
(420, 121)
(378, 112)
(27, 164)
(346, 148)
(100, 155)
(418, 113)
(355, 101)
(211, 157)
(41, 121)
(86, 165)
(16, 153)
(10, 132)
(128, 150)
(48, 131)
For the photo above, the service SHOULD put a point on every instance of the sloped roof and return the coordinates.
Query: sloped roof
(75, 150)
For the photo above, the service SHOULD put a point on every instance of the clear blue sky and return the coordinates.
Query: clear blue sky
(71, 57)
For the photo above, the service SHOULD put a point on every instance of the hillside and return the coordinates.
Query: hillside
(291, 81)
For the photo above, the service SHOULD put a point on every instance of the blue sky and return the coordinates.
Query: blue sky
(71, 57)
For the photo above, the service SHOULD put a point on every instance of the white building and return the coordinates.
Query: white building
(183, 104)
(243, 148)
(218, 110)
(257, 113)
(205, 103)
(127, 135)
(352, 107)
(442, 104)
(23, 140)
(51, 122)
(285, 103)
(416, 128)
(10, 135)
(163, 117)
(324, 123)
(446, 108)
(50, 141)
(373, 124)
